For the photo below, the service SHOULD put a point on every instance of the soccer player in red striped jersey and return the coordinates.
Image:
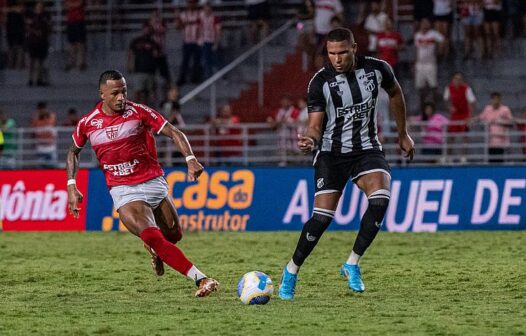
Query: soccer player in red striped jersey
(120, 133)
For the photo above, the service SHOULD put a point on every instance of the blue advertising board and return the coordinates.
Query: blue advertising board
(265, 199)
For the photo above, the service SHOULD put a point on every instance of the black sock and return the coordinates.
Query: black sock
(371, 220)
(310, 235)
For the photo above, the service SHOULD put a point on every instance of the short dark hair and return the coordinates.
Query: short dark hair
(340, 34)
(495, 94)
(109, 75)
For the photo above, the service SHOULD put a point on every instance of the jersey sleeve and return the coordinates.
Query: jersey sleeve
(388, 78)
(79, 135)
(316, 99)
(152, 119)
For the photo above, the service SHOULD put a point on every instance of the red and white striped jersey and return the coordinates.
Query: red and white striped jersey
(210, 24)
(123, 143)
(191, 21)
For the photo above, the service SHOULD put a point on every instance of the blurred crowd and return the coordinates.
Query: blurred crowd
(446, 113)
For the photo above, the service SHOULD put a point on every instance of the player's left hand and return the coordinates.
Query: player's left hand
(305, 144)
(194, 170)
(407, 145)
(74, 198)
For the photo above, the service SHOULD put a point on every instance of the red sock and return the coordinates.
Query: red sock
(168, 252)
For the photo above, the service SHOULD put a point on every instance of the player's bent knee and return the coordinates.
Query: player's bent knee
(152, 236)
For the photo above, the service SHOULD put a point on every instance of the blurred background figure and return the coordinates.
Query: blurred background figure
(8, 129)
(433, 132)
(142, 63)
(428, 44)
(499, 120)
(44, 127)
(228, 141)
(16, 34)
(443, 19)
(492, 19)
(211, 39)
(72, 118)
(461, 103)
(171, 109)
(258, 16)
(471, 16)
(76, 34)
(159, 31)
(389, 43)
(285, 121)
(374, 24)
(37, 44)
(188, 21)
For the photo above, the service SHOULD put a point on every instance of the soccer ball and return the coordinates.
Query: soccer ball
(255, 288)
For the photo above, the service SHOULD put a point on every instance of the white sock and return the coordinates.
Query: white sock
(292, 267)
(354, 259)
(195, 274)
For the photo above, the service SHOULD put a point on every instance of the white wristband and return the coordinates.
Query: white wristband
(72, 181)
(190, 157)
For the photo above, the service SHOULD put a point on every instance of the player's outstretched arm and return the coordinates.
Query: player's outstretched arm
(181, 141)
(397, 108)
(72, 167)
(308, 141)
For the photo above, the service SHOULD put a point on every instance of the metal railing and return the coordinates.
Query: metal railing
(261, 145)
(211, 83)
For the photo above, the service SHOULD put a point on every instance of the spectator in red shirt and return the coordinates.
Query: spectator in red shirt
(389, 43)
(76, 33)
(461, 101)
(72, 118)
(44, 125)
(285, 122)
(228, 135)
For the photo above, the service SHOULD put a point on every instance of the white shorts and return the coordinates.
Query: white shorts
(152, 192)
(425, 73)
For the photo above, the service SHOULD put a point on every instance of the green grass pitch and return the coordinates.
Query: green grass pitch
(453, 283)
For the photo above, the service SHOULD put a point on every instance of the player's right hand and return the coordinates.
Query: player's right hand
(74, 198)
(194, 170)
(305, 144)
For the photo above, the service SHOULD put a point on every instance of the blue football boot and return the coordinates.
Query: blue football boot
(287, 287)
(354, 276)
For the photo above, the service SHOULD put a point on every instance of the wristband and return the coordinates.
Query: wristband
(72, 182)
(190, 157)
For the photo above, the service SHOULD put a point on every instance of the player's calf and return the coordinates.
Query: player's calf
(371, 220)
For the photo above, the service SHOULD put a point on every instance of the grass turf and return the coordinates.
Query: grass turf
(454, 283)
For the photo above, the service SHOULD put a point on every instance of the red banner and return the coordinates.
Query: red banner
(37, 200)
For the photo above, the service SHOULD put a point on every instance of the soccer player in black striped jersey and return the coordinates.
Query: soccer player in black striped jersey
(342, 133)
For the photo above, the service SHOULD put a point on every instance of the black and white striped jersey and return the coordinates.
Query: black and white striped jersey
(349, 102)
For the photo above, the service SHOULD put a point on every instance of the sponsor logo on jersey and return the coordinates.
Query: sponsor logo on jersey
(358, 111)
(121, 169)
(320, 183)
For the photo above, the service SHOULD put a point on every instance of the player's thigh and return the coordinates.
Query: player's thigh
(371, 172)
(136, 216)
(330, 178)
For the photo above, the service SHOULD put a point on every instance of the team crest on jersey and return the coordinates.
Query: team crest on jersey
(112, 132)
(369, 85)
(340, 93)
(96, 123)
